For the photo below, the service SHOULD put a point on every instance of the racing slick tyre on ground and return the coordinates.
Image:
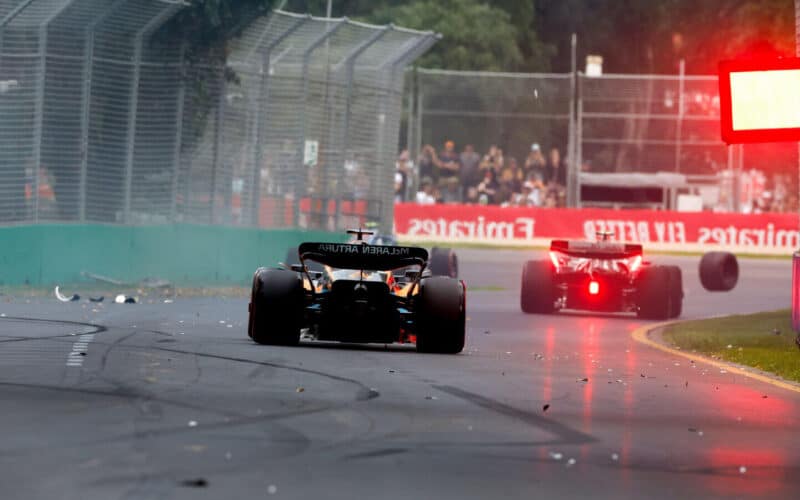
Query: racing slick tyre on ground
(443, 262)
(657, 292)
(676, 289)
(719, 271)
(441, 310)
(538, 289)
(276, 307)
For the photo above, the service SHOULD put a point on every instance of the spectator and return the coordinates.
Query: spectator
(450, 191)
(493, 160)
(488, 187)
(555, 172)
(425, 195)
(428, 163)
(535, 163)
(403, 170)
(513, 175)
(531, 195)
(470, 163)
(449, 162)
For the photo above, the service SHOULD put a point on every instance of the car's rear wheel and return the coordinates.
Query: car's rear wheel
(441, 315)
(443, 262)
(276, 307)
(656, 293)
(537, 293)
(719, 271)
(676, 291)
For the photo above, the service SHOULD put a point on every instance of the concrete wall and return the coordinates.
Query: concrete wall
(181, 253)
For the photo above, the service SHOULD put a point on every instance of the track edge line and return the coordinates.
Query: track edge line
(642, 335)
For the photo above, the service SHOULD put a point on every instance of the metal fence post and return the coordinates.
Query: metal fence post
(263, 100)
(86, 97)
(409, 54)
(574, 167)
(679, 124)
(217, 157)
(579, 141)
(176, 156)
(38, 116)
(303, 118)
(133, 100)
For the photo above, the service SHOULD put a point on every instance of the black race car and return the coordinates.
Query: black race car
(607, 276)
(351, 294)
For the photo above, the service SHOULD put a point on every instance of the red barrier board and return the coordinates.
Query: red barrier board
(519, 224)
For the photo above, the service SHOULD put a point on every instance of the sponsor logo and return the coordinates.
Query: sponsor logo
(479, 227)
(346, 249)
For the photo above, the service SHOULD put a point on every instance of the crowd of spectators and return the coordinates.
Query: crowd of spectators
(493, 178)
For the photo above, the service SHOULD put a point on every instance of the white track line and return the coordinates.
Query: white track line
(79, 350)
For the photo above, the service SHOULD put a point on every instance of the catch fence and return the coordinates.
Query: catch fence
(104, 119)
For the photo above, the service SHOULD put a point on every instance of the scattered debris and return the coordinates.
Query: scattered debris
(63, 298)
(765, 396)
(168, 301)
(615, 457)
(125, 299)
(545, 407)
(742, 469)
(730, 346)
(228, 455)
(391, 371)
(192, 423)
(571, 462)
(97, 299)
(431, 397)
(556, 455)
(584, 379)
(194, 483)
(486, 332)
(272, 489)
(776, 331)
(300, 389)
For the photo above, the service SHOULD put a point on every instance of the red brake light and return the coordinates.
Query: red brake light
(594, 288)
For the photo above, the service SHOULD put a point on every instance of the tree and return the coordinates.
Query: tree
(476, 36)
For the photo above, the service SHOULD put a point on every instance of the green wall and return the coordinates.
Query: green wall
(184, 254)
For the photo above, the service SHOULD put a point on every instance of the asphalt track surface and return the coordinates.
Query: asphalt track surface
(174, 401)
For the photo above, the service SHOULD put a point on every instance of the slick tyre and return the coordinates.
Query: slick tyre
(441, 314)
(276, 307)
(537, 294)
(443, 262)
(719, 271)
(655, 293)
(676, 291)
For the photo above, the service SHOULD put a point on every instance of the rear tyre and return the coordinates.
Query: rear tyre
(719, 271)
(676, 291)
(441, 313)
(655, 293)
(276, 307)
(443, 262)
(537, 294)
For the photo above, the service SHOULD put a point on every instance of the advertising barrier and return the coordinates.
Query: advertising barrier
(659, 230)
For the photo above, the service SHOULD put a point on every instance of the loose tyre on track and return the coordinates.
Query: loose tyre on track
(719, 271)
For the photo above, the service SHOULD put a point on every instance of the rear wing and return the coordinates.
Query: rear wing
(363, 256)
(596, 250)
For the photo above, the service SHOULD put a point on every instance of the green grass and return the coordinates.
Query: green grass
(486, 288)
(752, 339)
